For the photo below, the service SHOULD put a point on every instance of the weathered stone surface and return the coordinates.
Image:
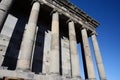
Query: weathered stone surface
(73, 51)
(31, 76)
(46, 55)
(54, 52)
(65, 55)
(6, 35)
(98, 58)
(1, 59)
(87, 55)
(41, 49)
(4, 8)
(24, 60)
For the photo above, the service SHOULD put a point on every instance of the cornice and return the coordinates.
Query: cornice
(75, 10)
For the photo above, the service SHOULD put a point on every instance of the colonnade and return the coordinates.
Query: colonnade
(26, 49)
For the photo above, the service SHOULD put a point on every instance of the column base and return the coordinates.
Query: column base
(20, 70)
(91, 79)
(23, 65)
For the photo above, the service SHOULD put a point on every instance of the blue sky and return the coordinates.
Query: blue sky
(107, 13)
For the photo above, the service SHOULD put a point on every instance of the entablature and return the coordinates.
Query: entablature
(72, 12)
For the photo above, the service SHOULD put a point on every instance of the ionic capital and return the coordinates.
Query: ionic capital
(70, 20)
(93, 33)
(54, 11)
(39, 1)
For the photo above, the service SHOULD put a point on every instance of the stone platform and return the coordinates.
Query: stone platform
(21, 75)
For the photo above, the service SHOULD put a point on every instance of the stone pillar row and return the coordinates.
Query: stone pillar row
(26, 49)
(90, 73)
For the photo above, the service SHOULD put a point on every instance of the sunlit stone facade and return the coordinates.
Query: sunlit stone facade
(38, 41)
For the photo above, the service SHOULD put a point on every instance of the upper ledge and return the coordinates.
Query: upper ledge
(75, 10)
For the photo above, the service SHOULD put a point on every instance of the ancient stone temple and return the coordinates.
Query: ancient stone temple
(38, 41)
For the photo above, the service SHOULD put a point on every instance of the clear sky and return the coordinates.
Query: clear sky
(107, 13)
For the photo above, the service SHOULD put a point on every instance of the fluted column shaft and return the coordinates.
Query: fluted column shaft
(97, 53)
(54, 53)
(87, 55)
(4, 7)
(73, 51)
(26, 48)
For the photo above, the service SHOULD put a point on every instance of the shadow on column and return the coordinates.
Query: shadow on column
(44, 25)
(22, 14)
(84, 61)
(63, 33)
(12, 52)
(39, 50)
(60, 61)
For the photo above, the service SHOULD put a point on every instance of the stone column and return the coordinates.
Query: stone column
(54, 53)
(73, 51)
(98, 58)
(87, 55)
(65, 58)
(4, 7)
(26, 48)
